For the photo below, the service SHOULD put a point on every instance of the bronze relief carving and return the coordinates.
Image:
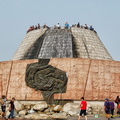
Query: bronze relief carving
(46, 78)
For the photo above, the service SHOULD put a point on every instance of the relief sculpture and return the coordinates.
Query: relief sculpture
(46, 78)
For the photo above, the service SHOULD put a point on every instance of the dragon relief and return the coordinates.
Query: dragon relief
(46, 78)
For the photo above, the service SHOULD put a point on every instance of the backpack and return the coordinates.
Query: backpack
(108, 105)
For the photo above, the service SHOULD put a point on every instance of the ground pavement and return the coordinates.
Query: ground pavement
(74, 118)
(93, 118)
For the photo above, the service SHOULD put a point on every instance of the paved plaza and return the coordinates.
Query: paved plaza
(73, 118)
(93, 118)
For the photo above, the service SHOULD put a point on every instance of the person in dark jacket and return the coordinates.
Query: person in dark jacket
(12, 108)
(117, 100)
(107, 108)
(112, 109)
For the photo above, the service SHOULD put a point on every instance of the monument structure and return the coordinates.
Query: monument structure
(72, 62)
(61, 43)
(60, 65)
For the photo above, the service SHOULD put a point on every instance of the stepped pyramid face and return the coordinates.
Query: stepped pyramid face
(61, 43)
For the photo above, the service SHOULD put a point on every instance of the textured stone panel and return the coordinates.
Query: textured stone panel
(93, 79)
(17, 87)
(1, 84)
(77, 76)
(5, 73)
(103, 83)
(57, 44)
(27, 43)
(88, 45)
(61, 43)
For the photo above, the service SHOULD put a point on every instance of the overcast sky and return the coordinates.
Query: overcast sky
(17, 15)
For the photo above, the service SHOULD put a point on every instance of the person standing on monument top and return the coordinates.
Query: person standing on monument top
(85, 26)
(91, 28)
(83, 106)
(38, 26)
(44, 26)
(78, 25)
(66, 25)
(58, 25)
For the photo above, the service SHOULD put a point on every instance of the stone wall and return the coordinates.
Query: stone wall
(93, 79)
(12, 81)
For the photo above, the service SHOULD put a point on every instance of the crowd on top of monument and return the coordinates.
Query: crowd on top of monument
(58, 26)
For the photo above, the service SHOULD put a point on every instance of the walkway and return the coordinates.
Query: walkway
(93, 118)
(74, 118)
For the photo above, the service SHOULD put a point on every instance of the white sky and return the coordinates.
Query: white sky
(17, 15)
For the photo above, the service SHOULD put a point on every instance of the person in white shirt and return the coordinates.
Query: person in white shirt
(58, 26)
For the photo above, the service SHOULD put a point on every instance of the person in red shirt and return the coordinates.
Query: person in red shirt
(83, 106)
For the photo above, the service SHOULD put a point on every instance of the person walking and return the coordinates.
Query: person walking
(117, 100)
(3, 105)
(83, 106)
(107, 108)
(12, 108)
(118, 108)
(112, 107)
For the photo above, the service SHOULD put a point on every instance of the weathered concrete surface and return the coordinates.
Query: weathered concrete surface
(87, 44)
(77, 70)
(13, 81)
(5, 70)
(28, 43)
(94, 79)
(62, 43)
(57, 44)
